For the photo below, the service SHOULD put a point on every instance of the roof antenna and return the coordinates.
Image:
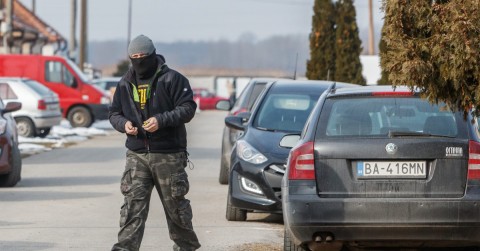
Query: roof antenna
(295, 72)
(328, 75)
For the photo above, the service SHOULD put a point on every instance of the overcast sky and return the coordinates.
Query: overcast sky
(193, 20)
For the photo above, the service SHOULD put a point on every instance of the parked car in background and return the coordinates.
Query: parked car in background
(206, 99)
(40, 106)
(381, 167)
(80, 102)
(107, 84)
(10, 159)
(258, 161)
(243, 103)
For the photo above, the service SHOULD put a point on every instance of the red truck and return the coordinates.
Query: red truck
(81, 102)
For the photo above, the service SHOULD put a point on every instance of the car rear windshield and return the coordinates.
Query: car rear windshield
(38, 88)
(388, 116)
(285, 112)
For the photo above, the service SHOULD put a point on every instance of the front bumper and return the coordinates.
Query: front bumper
(428, 222)
(269, 182)
(99, 111)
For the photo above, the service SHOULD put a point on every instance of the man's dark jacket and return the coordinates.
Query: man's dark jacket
(171, 103)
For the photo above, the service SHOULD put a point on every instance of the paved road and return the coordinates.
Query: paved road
(69, 199)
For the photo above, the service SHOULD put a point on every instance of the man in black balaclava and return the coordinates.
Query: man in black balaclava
(151, 105)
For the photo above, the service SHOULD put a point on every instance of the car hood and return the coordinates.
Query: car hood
(267, 142)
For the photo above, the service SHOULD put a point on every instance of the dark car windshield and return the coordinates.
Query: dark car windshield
(387, 116)
(284, 111)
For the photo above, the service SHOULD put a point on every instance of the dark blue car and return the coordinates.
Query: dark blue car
(257, 160)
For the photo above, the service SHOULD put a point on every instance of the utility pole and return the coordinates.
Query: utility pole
(34, 6)
(83, 34)
(129, 21)
(73, 28)
(371, 36)
(9, 25)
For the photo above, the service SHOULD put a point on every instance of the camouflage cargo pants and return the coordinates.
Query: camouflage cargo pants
(165, 172)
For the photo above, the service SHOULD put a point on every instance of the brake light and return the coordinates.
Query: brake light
(392, 94)
(473, 160)
(302, 162)
(42, 105)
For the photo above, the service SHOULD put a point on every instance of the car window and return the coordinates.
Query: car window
(381, 116)
(284, 112)
(37, 87)
(56, 72)
(111, 84)
(6, 92)
(257, 89)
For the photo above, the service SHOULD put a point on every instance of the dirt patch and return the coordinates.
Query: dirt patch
(258, 247)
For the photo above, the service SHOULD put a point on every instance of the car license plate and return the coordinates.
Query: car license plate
(53, 107)
(391, 169)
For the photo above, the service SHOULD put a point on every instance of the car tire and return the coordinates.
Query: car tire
(288, 244)
(25, 127)
(235, 214)
(12, 178)
(224, 171)
(80, 116)
(42, 133)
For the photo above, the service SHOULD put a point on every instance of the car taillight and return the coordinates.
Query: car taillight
(42, 105)
(302, 162)
(473, 160)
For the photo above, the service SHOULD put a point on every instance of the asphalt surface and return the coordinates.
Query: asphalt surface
(69, 199)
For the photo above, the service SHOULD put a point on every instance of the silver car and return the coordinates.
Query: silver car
(40, 106)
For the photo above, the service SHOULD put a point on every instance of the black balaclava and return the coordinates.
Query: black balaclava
(145, 67)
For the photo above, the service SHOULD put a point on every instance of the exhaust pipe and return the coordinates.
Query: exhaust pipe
(324, 241)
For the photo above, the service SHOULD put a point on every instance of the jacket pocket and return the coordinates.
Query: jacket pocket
(179, 184)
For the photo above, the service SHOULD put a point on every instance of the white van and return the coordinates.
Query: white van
(40, 106)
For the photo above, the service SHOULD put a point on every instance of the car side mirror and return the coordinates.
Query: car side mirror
(238, 121)
(223, 105)
(11, 107)
(289, 140)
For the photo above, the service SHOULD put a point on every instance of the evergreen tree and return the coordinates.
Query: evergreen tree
(383, 48)
(322, 41)
(348, 46)
(122, 68)
(434, 45)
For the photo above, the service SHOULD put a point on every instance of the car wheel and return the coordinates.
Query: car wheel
(12, 178)
(80, 117)
(224, 171)
(42, 133)
(25, 127)
(288, 244)
(235, 214)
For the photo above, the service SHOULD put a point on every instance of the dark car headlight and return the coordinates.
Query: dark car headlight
(248, 153)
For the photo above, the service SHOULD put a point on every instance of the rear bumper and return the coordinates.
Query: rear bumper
(47, 121)
(99, 111)
(364, 219)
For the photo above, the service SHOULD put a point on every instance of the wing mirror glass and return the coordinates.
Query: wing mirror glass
(289, 140)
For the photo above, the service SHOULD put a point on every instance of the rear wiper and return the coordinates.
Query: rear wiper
(393, 134)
